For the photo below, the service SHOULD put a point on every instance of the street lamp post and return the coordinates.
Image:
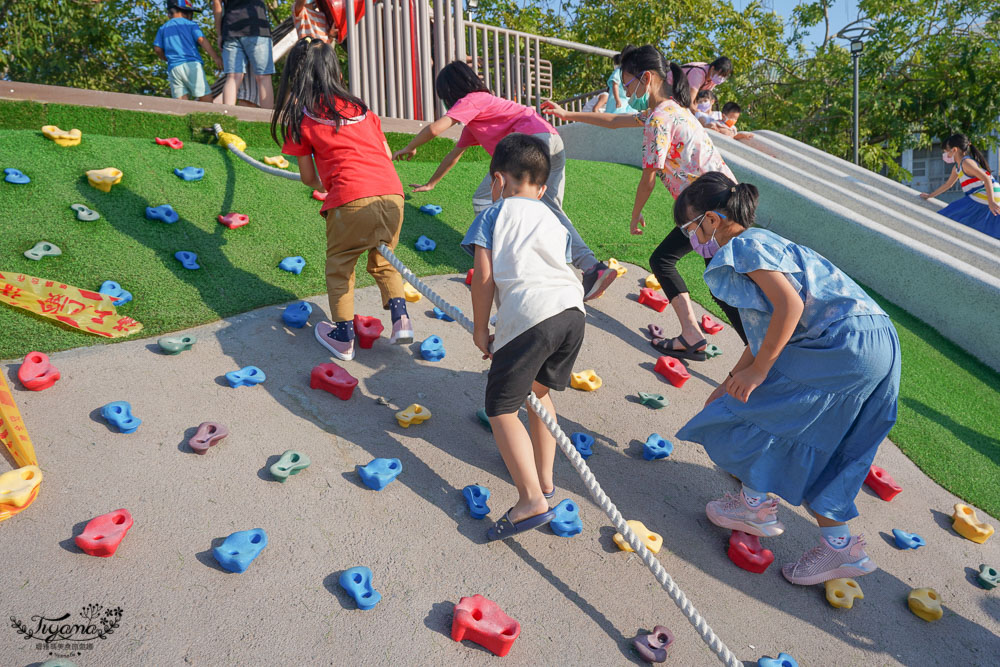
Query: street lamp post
(855, 33)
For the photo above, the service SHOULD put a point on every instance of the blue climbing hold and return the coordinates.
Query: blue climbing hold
(567, 522)
(905, 540)
(189, 173)
(15, 176)
(111, 288)
(424, 244)
(783, 660)
(164, 213)
(583, 444)
(119, 414)
(430, 209)
(239, 549)
(441, 315)
(432, 349)
(247, 376)
(293, 264)
(657, 447)
(357, 581)
(297, 314)
(377, 474)
(476, 496)
(188, 259)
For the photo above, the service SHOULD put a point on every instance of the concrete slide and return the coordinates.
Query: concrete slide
(877, 230)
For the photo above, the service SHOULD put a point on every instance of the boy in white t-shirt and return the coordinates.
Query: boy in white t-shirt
(521, 253)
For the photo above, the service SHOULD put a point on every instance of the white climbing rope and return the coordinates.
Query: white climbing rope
(662, 576)
(601, 498)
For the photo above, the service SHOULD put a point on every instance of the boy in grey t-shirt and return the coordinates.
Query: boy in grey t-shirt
(521, 253)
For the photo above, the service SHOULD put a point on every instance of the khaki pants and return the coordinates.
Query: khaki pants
(352, 229)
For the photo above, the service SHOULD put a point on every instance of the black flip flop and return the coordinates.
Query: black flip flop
(690, 351)
(505, 528)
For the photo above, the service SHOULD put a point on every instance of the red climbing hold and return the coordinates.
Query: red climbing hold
(482, 621)
(36, 372)
(746, 552)
(468, 277)
(653, 299)
(334, 379)
(673, 370)
(104, 533)
(709, 325)
(319, 196)
(882, 483)
(234, 220)
(173, 142)
(367, 329)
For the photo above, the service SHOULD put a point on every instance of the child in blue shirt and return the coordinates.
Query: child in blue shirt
(521, 252)
(807, 405)
(177, 42)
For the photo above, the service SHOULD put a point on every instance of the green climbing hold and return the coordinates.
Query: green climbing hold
(176, 344)
(290, 463)
(712, 350)
(84, 213)
(988, 577)
(481, 413)
(655, 401)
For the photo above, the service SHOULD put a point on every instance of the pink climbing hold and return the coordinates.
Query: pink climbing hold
(172, 142)
(709, 325)
(37, 372)
(319, 196)
(653, 299)
(334, 379)
(208, 435)
(234, 220)
(673, 370)
(367, 330)
(104, 533)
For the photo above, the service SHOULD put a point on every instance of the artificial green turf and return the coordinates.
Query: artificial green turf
(948, 403)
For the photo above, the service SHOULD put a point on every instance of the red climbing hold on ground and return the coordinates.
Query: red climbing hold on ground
(746, 552)
(468, 277)
(173, 142)
(334, 379)
(104, 533)
(482, 621)
(653, 299)
(234, 220)
(709, 325)
(673, 370)
(36, 372)
(319, 196)
(367, 330)
(882, 483)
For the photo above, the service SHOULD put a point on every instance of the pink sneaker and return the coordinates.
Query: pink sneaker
(596, 280)
(823, 562)
(341, 350)
(402, 331)
(734, 513)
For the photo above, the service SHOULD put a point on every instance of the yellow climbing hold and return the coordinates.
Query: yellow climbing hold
(925, 603)
(841, 593)
(410, 292)
(967, 524)
(652, 282)
(16, 485)
(103, 179)
(415, 414)
(613, 264)
(278, 161)
(649, 539)
(62, 137)
(586, 381)
(227, 138)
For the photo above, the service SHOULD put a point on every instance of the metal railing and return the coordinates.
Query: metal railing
(575, 103)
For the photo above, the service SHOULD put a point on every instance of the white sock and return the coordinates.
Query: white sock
(836, 536)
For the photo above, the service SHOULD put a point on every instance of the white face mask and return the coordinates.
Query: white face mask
(704, 107)
(947, 158)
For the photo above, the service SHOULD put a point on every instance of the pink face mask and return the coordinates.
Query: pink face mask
(947, 158)
(718, 79)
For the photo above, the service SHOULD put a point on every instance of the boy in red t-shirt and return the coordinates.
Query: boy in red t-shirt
(340, 147)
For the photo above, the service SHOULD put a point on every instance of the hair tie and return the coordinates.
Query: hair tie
(732, 190)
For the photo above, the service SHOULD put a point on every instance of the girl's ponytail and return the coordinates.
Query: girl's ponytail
(715, 191)
(979, 157)
(742, 204)
(680, 89)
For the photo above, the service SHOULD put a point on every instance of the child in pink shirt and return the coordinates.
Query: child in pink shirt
(488, 119)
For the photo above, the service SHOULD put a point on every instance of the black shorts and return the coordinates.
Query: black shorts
(545, 354)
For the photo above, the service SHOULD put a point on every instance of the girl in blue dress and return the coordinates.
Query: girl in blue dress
(814, 393)
(980, 207)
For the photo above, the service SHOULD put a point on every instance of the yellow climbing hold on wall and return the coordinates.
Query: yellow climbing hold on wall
(842, 593)
(410, 292)
(278, 161)
(415, 414)
(16, 485)
(967, 524)
(618, 268)
(652, 282)
(586, 381)
(103, 179)
(925, 603)
(62, 137)
(226, 138)
(650, 540)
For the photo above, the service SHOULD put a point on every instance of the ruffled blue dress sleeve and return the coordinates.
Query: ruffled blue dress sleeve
(753, 250)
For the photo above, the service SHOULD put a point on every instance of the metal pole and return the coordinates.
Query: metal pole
(353, 52)
(408, 49)
(388, 42)
(856, 57)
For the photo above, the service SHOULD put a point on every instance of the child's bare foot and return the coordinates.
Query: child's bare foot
(522, 511)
